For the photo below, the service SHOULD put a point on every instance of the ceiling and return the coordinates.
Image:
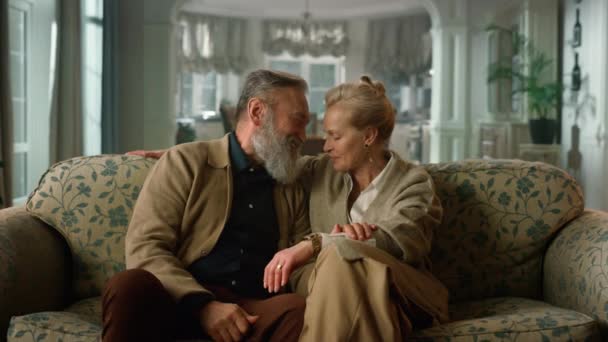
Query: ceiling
(324, 9)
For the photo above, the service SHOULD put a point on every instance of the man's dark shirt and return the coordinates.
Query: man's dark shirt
(249, 239)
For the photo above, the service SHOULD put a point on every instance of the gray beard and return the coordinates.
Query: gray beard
(278, 153)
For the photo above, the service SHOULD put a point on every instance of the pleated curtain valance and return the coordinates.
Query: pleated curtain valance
(316, 38)
(399, 46)
(212, 43)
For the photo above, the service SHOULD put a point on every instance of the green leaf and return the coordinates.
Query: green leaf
(94, 176)
(38, 204)
(104, 194)
(43, 194)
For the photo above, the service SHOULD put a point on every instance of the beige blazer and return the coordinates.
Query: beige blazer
(183, 207)
(406, 210)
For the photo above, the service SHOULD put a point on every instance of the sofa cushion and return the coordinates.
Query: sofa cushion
(89, 200)
(497, 319)
(498, 218)
(511, 319)
(79, 322)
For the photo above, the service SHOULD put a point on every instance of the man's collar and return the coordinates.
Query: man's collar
(238, 157)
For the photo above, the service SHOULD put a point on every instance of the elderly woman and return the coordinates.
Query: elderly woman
(365, 268)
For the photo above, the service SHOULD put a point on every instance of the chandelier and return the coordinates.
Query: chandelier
(305, 36)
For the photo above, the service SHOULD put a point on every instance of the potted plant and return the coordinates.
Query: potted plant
(529, 75)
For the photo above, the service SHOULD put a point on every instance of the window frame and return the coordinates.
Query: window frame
(24, 146)
(306, 62)
(196, 86)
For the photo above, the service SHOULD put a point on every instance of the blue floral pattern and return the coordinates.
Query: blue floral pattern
(498, 219)
(511, 319)
(89, 200)
(576, 267)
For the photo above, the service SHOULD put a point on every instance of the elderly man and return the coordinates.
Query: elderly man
(209, 217)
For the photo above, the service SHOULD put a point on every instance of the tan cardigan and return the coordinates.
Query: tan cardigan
(183, 207)
(406, 209)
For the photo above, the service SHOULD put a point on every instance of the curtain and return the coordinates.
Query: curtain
(6, 116)
(399, 46)
(212, 43)
(109, 96)
(66, 108)
(300, 37)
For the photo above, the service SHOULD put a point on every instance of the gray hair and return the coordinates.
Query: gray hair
(261, 83)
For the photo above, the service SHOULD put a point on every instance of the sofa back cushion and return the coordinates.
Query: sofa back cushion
(498, 218)
(89, 200)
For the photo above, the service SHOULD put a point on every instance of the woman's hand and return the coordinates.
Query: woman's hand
(356, 231)
(279, 269)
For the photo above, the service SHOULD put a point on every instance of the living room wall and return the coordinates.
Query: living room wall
(591, 99)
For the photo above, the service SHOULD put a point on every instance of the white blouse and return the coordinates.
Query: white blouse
(361, 204)
(367, 196)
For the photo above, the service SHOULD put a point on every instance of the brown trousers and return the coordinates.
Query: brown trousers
(136, 307)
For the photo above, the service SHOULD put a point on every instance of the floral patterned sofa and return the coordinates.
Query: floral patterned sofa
(522, 258)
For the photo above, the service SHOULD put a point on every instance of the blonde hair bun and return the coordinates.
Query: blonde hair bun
(368, 104)
(377, 86)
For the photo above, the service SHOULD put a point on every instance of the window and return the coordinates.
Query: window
(92, 79)
(321, 74)
(19, 27)
(32, 36)
(200, 94)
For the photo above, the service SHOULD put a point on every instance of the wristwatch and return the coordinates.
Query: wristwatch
(315, 238)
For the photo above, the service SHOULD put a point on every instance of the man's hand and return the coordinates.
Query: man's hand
(156, 154)
(356, 231)
(225, 322)
(279, 269)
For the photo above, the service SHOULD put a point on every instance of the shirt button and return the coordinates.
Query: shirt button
(250, 206)
(233, 283)
(203, 252)
(251, 169)
(242, 251)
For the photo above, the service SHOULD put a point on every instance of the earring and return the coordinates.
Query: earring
(369, 154)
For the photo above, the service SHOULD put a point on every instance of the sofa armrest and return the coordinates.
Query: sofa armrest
(34, 266)
(576, 267)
